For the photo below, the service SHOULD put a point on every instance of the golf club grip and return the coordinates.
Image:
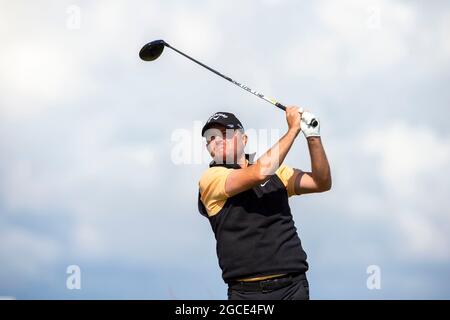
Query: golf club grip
(279, 105)
(314, 122)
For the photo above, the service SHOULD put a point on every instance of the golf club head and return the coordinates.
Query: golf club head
(152, 50)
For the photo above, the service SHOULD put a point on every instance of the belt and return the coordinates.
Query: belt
(268, 284)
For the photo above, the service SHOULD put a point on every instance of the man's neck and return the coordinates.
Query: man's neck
(242, 161)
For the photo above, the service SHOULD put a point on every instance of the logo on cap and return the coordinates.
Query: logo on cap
(217, 116)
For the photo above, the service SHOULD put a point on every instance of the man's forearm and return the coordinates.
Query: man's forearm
(271, 160)
(320, 167)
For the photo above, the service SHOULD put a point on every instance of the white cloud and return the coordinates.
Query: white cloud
(414, 168)
(273, 3)
(194, 32)
(38, 74)
(422, 236)
(47, 65)
(80, 164)
(444, 32)
(25, 255)
(88, 241)
(406, 155)
(346, 43)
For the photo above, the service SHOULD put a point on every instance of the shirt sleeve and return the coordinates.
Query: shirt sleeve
(212, 189)
(287, 176)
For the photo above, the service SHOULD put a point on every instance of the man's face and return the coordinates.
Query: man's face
(225, 145)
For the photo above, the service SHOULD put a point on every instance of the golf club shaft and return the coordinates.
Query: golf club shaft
(258, 94)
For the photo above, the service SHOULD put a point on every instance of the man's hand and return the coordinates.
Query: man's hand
(293, 118)
(307, 128)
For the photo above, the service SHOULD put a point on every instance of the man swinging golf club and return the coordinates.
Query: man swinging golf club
(246, 202)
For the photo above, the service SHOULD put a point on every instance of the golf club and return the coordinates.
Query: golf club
(152, 50)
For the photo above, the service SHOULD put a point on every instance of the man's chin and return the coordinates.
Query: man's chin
(223, 159)
(219, 159)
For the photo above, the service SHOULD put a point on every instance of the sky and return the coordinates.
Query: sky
(101, 152)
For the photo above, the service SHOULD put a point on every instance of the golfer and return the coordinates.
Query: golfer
(246, 202)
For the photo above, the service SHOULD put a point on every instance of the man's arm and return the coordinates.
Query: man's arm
(319, 179)
(266, 165)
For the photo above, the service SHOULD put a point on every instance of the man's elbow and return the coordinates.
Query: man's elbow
(325, 186)
(328, 186)
(260, 178)
(259, 174)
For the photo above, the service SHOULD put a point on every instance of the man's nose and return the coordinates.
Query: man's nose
(221, 138)
(220, 143)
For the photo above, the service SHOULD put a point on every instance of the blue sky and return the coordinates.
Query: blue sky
(89, 138)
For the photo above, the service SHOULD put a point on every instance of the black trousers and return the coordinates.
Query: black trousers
(290, 287)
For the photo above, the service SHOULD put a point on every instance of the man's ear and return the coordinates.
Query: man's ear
(245, 139)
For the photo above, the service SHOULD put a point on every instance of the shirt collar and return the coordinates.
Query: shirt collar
(248, 157)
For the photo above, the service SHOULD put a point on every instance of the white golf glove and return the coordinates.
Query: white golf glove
(306, 126)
